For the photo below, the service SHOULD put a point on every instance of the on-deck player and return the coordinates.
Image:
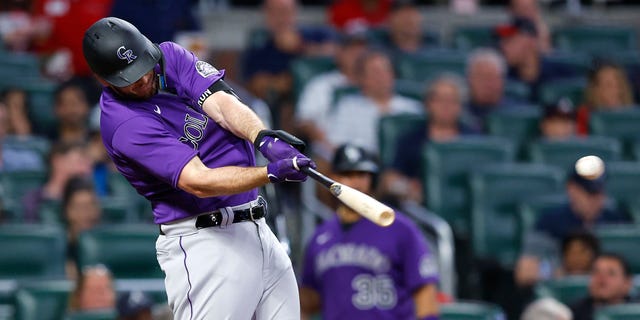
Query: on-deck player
(177, 132)
(355, 269)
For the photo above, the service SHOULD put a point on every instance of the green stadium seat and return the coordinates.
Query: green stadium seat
(579, 62)
(119, 209)
(623, 240)
(18, 183)
(471, 310)
(7, 312)
(531, 209)
(517, 90)
(521, 125)
(303, 69)
(566, 290)
(496, 193)
(381, 37)
(43, 300)
(427, 66)
(50, 212)
(31, 251)
(620, 124)
(623, 179)
(126, 199)
(127, 250)
(552, 91)
(595, 39)
(391, 128)
(446, 167)
(93, 315)
(628, 311)
(18, 64)
(410, 89)
(471, 37)
(564, 153)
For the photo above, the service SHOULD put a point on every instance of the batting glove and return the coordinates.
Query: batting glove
(277, 145)
(289, 169)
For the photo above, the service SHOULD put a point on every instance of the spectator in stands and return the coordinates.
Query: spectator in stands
(486, 71)
(586, 208)
(579, 250)
(66, 160)
(135, 305)
(71, 108)
(608, 88)
(12, 157)
(316, 99)
(265, 65)
(80, 212)
(443, 105)
(350, 14)
(406, 33)
(559, 120)
(94, 290)
(530, 9)
(16, 24)
(547, 309)
(518, 42)
(16, 101)
(355, 117)
(610, 284)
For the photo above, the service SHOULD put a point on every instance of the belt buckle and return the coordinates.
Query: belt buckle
(251, 213)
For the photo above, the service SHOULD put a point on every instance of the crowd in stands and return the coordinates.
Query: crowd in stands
(515, 92)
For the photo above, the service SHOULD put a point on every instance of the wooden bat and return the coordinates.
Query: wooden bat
(363, 204)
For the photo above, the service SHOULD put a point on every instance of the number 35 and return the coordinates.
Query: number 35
(373, 291)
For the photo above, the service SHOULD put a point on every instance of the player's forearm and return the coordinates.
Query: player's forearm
(233, 115)
(426, 301)
(204, 182)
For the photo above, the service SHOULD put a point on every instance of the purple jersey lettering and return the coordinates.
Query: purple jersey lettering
(367, 271)
(151, 141)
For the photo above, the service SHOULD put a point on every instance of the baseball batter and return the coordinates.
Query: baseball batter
(177, 132)
(355, 269)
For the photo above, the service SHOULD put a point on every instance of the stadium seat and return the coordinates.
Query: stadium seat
(623, 179)
(18, 64)
(410, 89)
(496, 192)
(429, 65)
(564, 153)
(127, 250)
(566, 290)
(517, 90)
(595, 39)
(446, 167)
(471, 37)
(305, 68)
(31, 251)
(521, 125)
(118, 209)
(38, 144)
(380, 36)
(391, 128)
(578, 62)
(93, 315)
(627, 311)
(14, 186)
(50, 212)
(7, 312)
(531, 209)
(342, 92)
(43, 300)
(471, 310)
(623, 240)
(620, 124)
(572, 88)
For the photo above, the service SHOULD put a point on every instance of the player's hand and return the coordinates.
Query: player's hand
(278, 145)
(289, 169)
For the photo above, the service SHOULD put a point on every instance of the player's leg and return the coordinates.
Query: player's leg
(214, 273)
(280, 299)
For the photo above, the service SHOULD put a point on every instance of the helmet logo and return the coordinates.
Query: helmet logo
(126, 54)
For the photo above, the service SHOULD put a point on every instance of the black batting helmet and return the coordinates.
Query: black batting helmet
(117, 52)
(350, 157)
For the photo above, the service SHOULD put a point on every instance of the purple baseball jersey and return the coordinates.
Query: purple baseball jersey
(151, 141)
(366, 271)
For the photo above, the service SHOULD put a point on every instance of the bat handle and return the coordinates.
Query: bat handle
(315, 175)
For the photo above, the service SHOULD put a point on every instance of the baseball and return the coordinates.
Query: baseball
(590, 167)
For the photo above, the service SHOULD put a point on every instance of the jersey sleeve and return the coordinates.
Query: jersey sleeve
(153, 148)
(189, 76)
(420, 266)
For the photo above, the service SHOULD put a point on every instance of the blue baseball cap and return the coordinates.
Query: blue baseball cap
(131, 303)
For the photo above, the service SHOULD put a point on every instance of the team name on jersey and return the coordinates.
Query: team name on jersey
(350, 254)
(194, 129)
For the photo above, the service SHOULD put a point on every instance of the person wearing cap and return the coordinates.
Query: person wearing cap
(585, 209)
(356, 269)
(406, 30)
(559, 120)
(134, 305)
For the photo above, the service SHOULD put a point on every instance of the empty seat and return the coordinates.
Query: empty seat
(621, 124)
(427, 66)
(627, 311)
(392, 128)
(127, 250)
(471, 310)
(470, 37)
(521, 125)
(14, 185)
(380, 36)
(566, 290)
(623, 240)
(446, 167)
(564, 153)
(595, 39)
(497, 191)
(623, 179)
(31, 251)
(43, 300)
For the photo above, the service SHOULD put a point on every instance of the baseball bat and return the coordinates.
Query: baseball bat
(363, 204)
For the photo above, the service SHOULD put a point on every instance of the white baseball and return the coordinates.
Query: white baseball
(590, 167)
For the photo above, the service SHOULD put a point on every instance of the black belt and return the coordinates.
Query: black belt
(214, 219)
